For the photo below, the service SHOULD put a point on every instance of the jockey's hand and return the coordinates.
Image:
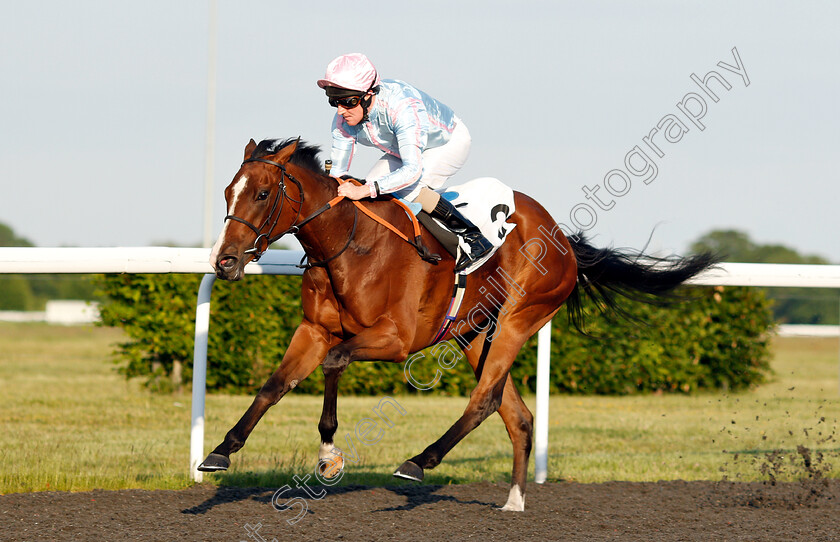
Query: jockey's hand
(354, 192)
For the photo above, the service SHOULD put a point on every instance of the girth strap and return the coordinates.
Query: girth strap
(454, 307)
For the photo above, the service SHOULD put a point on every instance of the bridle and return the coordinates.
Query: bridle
(279, 202)
(277, 205)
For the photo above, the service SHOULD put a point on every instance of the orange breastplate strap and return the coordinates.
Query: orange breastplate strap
(417, 243)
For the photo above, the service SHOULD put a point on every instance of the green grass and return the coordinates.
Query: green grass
(69, 422)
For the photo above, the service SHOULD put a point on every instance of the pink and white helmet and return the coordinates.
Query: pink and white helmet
(352, 71)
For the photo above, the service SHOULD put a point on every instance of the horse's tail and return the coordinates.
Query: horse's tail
(606, 273)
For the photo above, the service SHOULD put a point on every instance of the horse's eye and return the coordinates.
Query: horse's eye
(262, 195)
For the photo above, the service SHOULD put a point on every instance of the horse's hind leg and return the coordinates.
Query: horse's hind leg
(519, 423)
(307, 349)
(485, 399)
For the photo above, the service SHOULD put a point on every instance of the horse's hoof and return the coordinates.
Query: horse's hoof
(330, 467)
(214, 462)
(410, 471)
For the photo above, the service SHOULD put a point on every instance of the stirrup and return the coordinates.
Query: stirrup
(479, 248)
(458, 224)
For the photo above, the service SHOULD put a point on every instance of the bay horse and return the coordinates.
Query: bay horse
(368, 295)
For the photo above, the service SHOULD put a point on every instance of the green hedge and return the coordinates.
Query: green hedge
(250, 325)
(719, 340)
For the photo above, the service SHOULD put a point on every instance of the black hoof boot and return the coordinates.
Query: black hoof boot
(410, 471)
(214, 463)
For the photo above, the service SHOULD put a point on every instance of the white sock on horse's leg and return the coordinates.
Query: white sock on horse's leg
(516, 500)
(330, 461)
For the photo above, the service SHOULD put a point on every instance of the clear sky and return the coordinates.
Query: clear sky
(103, 109)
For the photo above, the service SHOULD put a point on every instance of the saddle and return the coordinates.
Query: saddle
(445, 237)
(488, 204)
(486, 201)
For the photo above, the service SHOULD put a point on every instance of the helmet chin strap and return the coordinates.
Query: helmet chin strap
(368, 99)
(365, 103)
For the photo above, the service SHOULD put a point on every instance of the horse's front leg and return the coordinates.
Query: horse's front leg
(382, 341)
(307, 349)
(330, 460)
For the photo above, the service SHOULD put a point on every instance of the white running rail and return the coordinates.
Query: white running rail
(283, 262)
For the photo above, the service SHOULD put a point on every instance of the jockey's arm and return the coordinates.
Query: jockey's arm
(343, 148)
(406, 175)
(411, 127)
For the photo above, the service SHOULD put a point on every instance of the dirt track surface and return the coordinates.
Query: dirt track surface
(555, 511)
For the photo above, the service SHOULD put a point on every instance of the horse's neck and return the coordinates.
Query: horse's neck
(326, 234)
(317, 190)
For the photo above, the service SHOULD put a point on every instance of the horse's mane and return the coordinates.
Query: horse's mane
(305, 155)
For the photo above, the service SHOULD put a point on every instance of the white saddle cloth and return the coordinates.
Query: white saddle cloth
(487, 202)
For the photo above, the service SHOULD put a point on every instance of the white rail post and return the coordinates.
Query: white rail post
(541, 430)
(202, 327)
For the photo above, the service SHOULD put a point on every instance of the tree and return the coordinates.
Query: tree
(731, 245)
(31, 292)
(791, 305)
(15, 293)
(736, 246)
(9, 239)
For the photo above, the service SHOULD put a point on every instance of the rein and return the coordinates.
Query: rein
(281, 198)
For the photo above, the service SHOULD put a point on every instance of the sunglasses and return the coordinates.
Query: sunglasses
(347, 103)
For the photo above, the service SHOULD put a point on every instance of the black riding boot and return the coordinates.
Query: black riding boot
(469, 232)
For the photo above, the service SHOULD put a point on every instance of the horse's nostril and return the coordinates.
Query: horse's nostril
(227, 262)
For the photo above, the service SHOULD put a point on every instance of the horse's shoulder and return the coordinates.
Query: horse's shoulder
(318, 299)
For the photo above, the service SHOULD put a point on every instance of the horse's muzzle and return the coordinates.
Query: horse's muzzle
(229, 267)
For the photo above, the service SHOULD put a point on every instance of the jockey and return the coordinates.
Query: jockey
(423, 141)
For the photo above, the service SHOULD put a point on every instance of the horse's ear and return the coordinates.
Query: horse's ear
(249, 148)
(287, 152)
